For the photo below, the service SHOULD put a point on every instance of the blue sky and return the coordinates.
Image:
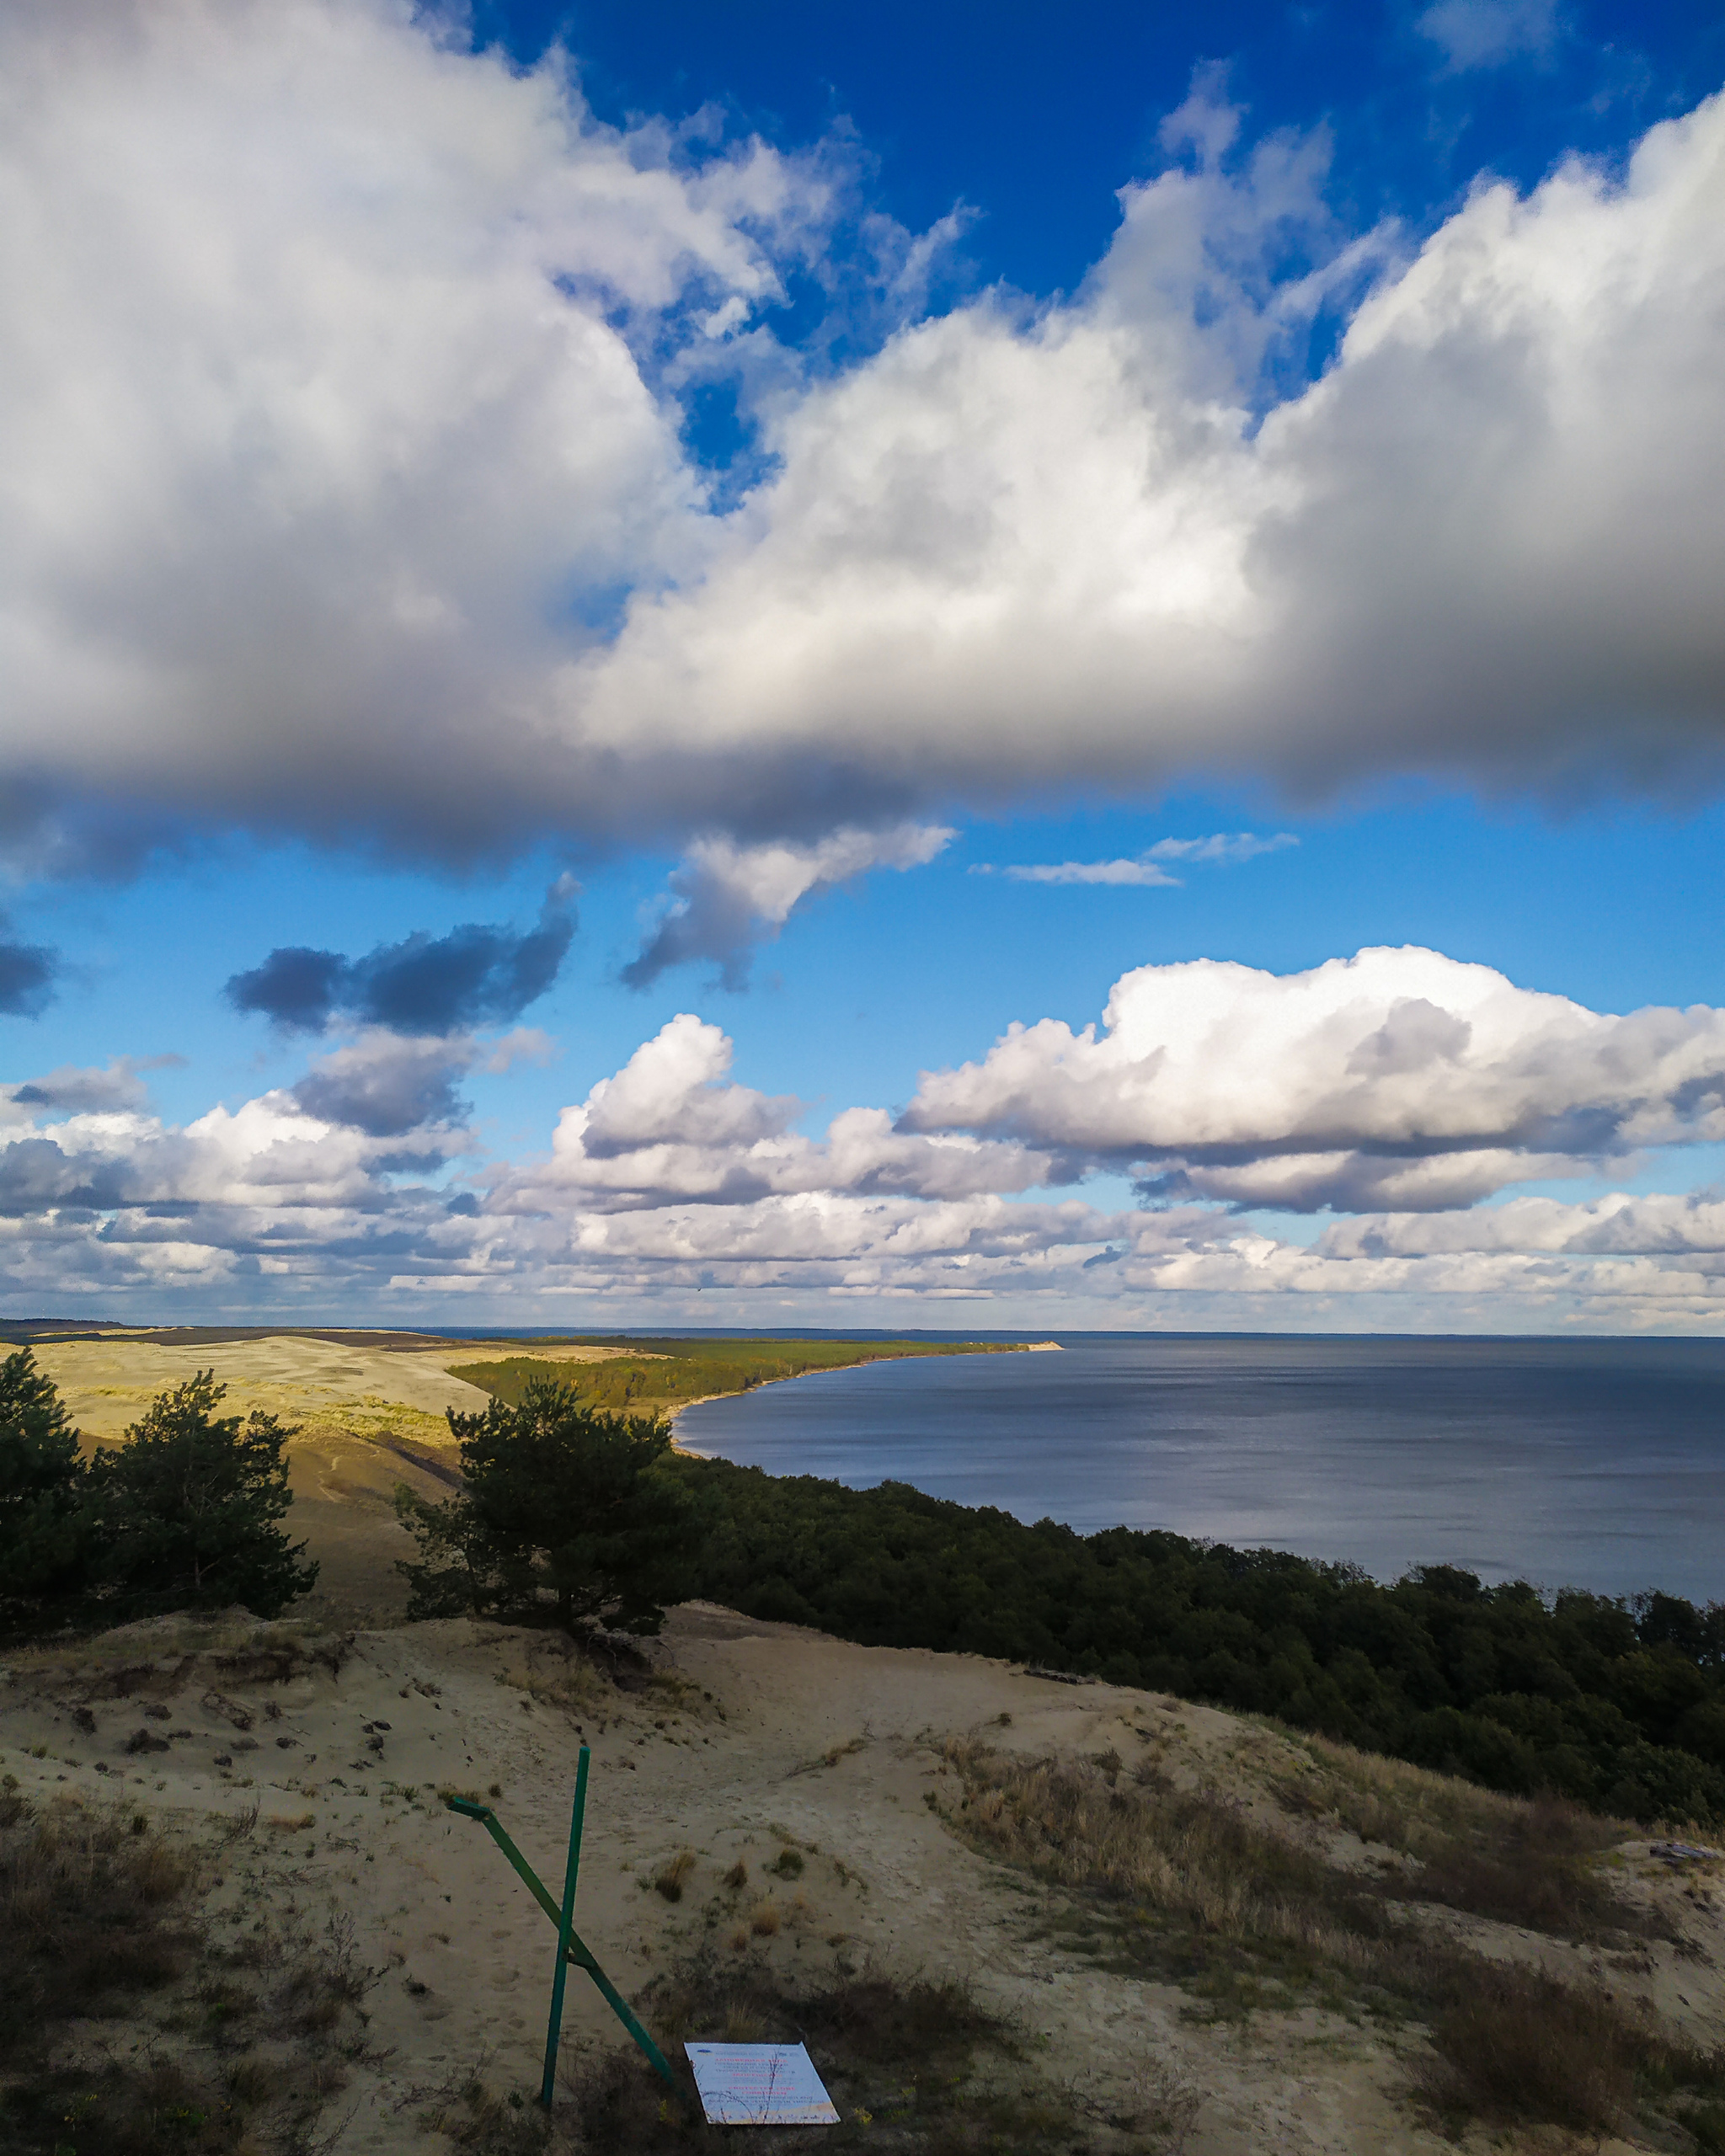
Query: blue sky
(765, 475)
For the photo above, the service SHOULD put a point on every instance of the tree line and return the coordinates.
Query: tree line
(1619, 1703)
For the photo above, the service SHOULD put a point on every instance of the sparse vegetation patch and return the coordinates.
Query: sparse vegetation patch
(100, 1917)
(1186, 1883)
(913, 2065)
(654, 1375)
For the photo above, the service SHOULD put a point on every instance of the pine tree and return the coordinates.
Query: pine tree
(565, 1518)
(184, 1514)
(42, 1488)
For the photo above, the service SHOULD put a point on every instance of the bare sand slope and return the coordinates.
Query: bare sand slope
(747, 1740)
(107, 1384)
(365, 1419)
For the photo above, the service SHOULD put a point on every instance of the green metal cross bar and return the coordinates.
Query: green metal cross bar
(573, 1949)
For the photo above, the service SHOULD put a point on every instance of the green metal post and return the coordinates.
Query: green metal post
(576, 1949)
(566, 1924)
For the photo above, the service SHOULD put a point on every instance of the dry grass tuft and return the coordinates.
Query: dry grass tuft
(1520, 2047)
(900, 2059)
(160, 2109)
(1417, 1811)
(1205, 1862)
(1193, 1884)
(97, 1920)
(1188, 1864)
(556, 1672)
(92, 1914)
(89, 1910)
(157, 1658)
(671, 1879)
(764, 1919)
(1512, 1860)
(479, 2122)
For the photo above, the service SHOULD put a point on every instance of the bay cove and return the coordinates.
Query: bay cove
(1589, 1463)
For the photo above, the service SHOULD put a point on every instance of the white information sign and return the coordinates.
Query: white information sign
(760, 2084)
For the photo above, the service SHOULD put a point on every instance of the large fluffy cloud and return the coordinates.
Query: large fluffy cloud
(672, 1128)
(324, 445)
(1396, 1077)
(342, 489)
(1490, 540)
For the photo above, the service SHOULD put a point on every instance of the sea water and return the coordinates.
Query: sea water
(1589, 1463)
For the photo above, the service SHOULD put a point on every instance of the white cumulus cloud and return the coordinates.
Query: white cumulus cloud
(1399, 1078)
(1018, 551)
(673, 1127)
(727, 897)
(322, 441)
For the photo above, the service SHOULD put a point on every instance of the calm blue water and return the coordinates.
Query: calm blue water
(1591, 1463)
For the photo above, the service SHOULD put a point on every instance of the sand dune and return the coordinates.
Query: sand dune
(107, 1384)
(749, 1739)
(366, 1419)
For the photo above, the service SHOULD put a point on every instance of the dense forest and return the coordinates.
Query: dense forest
(1619, 1705)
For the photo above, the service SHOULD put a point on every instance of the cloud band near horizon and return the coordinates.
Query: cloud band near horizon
(1396, 1090)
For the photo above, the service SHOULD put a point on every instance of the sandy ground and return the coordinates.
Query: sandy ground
(751, 1737)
